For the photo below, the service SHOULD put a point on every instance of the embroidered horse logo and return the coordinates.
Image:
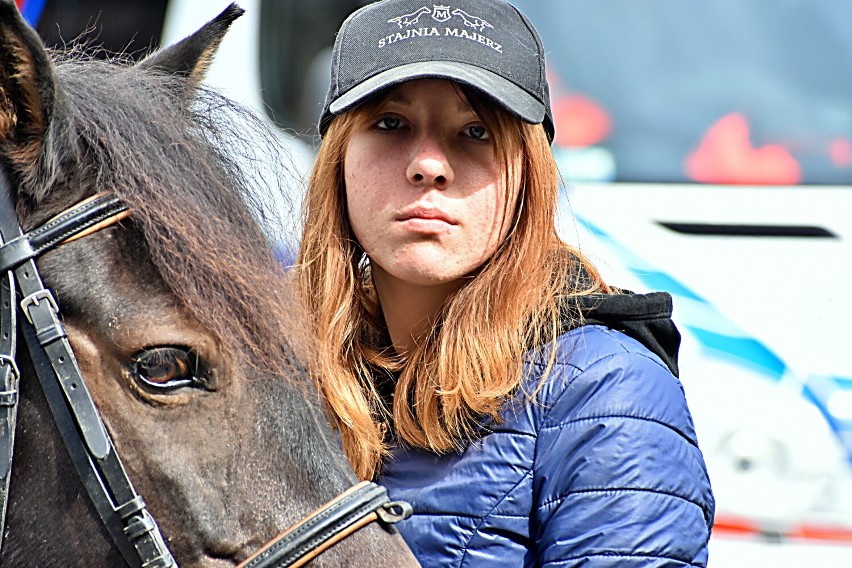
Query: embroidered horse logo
(440, 13)
(472, 21)
(407, 20)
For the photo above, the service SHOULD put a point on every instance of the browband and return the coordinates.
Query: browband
(83, 219)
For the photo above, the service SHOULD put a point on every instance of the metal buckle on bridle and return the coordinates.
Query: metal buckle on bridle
(10, 361)
(33, 299)
(393, 512)
(9, 396)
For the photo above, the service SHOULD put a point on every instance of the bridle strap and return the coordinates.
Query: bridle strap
(9, 378)
(9, 371)
(345, 514)
(120, 508)
(84, 218)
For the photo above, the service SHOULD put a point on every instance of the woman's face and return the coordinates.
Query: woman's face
(424, 188)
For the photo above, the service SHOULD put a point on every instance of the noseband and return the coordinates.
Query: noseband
(122, 511)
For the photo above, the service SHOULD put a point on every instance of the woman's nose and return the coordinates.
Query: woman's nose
(430, 166)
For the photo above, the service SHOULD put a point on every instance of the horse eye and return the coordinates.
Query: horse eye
(165, 369)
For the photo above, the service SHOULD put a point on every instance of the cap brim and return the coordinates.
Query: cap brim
(500, 90)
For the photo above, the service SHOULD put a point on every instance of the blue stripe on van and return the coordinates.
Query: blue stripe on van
(748, 352)
(662, 281)
(828, 390)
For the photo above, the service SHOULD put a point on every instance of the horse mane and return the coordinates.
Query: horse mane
(195, 172)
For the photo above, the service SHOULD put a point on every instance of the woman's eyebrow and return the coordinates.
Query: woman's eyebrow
(464, 106)
(398, 98)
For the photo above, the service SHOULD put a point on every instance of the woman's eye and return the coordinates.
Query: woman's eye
(389, 123)
(165, 369)
(478, 132)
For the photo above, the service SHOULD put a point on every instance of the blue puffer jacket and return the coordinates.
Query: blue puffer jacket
(603, 470)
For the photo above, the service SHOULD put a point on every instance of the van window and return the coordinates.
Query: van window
(295, 46)
(103, 27)
(729, 91)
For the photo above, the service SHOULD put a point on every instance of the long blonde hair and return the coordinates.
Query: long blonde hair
(472, 360)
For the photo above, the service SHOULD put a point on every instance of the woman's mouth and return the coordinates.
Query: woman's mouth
(425, 214)
(425, 220)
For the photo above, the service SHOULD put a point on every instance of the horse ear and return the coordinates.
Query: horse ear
(27, 89)
(192, 56)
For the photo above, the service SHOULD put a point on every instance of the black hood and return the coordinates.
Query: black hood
(644, 317)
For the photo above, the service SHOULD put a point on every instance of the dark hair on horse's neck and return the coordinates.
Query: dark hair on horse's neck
(189, 164)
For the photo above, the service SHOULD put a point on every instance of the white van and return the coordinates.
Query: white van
(707, 148)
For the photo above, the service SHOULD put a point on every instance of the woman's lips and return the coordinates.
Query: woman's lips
(426, 214)
(425, 220)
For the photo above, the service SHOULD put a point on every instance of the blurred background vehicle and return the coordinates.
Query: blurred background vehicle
(707, 151)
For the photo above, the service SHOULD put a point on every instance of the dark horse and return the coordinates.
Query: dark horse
(178, 315)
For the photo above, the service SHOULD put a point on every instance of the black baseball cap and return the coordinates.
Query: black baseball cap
(487, 45)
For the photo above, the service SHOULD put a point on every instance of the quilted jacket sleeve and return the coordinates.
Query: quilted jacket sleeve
(618, 478)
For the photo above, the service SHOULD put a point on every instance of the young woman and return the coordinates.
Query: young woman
(474, 363)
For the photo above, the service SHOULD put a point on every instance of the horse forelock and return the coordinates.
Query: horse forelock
(192, 170)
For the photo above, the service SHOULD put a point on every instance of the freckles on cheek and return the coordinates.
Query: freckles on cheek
(357, 177)
(492, 213)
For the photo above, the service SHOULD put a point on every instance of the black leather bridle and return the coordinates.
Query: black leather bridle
(122, 510)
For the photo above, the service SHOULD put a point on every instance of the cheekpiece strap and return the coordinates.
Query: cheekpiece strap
(347, 513)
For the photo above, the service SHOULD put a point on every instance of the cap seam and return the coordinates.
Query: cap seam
(538, 44)
(344, 27)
